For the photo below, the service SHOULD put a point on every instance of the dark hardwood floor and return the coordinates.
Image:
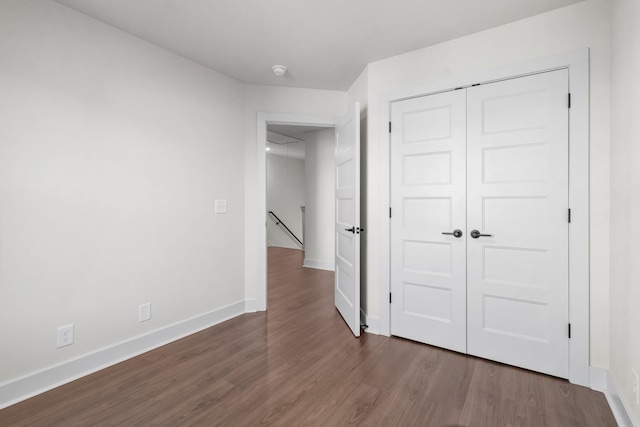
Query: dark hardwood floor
(299, 365)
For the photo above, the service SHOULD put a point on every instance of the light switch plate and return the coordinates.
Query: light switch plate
(221, 206)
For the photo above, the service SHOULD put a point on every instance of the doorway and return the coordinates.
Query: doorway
(347, 227)
(264, 120)
(300, 191)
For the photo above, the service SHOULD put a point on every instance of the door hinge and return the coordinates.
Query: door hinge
(389, 127)
(389, 297)
(569, 216)
(569, 101)
(569, 330)
(389, 211)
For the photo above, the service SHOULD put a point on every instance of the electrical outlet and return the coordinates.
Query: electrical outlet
(634, 386)
(144, 312)
(65, 336)
(221, 206)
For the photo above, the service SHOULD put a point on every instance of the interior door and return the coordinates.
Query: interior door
(517, 201)
(428, 220)
(347, 224)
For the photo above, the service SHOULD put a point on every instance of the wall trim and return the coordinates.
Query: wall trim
(602, 380)
(39, 382)
(373, 323)
(320, 265)
(577, 62)
(250, 306)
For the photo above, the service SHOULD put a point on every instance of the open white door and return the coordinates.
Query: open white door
(347, 228)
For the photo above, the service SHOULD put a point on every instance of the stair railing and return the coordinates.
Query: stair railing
(279, 222)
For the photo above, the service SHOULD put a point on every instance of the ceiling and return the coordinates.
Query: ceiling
(296, 150)
(325, 43)
(289, 140)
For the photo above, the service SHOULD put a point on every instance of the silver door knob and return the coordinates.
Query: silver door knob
(455, 233)
(475, 234)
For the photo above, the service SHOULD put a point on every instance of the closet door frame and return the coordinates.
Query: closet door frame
(577, 64)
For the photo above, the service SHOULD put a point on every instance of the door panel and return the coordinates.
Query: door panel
(517, 192)
(347, 274)
(428, 269)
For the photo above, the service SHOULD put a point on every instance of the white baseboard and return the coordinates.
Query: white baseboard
(598, 379)
(39, 382)
(320, 265)
(373, 323)
(250, 306)
(601, 380)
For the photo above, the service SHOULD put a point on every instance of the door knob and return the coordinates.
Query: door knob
(475, 234)
(352, 229)
(455, 233)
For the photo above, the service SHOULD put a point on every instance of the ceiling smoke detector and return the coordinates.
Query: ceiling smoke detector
(279, 70)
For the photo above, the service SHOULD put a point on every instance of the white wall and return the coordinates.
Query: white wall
(285, 194)
(112, 152)
(625, 198)
(271, 99)
(359, 91)
(320, 199)
(586, 24)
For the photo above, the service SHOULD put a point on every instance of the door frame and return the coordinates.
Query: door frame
(265, 119)
(577, 63)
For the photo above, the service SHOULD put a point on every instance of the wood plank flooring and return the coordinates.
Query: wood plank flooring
(299, 365)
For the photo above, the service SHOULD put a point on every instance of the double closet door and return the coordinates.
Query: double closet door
(479, 225)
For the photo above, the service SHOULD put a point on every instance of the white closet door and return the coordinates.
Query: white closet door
(517, 188)
(428, 268)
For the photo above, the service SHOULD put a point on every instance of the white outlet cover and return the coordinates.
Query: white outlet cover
(144, 312)
(221, 206)
(65, 336)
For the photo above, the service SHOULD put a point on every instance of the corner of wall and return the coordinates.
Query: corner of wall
(603, 381)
